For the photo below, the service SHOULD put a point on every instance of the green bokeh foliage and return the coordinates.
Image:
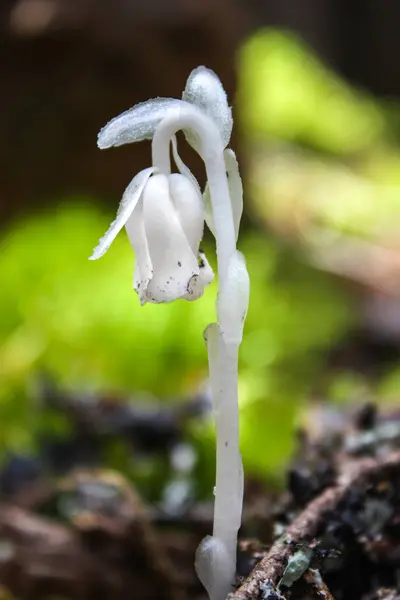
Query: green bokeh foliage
(80, 323)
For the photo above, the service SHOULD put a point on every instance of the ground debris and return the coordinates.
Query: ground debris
(341, 531)
(106, 547)
(334, 533)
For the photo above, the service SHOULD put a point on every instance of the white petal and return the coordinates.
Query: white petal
(143, 266)
(205, 90)
(199, 282)
(127, 205)
(189, 207)
(233, 300)
(195, 289)
(235, 191)
(174, 264)
(183, 169)
(137, 123)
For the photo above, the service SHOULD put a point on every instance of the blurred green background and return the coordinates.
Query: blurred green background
(321, 166)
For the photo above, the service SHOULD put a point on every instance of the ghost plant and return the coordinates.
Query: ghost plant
(164, 215)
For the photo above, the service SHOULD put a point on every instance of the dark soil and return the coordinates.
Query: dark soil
(340, 528)
(81, 532)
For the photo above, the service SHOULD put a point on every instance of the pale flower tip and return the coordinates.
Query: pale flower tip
(101, 248)
(102, 142)
(96, 254)
(136, 124)
(105, 138)
(205, 90)
(142, 297)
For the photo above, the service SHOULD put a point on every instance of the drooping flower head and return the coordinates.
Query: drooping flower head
(164, 213)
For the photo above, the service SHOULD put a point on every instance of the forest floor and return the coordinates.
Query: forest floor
(334, 532)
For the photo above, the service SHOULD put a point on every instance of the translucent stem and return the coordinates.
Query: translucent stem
(223, 361)
(216, 557)
(229, 472)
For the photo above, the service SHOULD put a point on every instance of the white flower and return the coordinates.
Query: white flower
(164, 219)
(163, 213)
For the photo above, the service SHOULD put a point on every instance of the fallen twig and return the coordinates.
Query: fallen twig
(309, 523)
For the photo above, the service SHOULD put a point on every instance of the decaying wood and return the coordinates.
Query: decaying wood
(309, 523)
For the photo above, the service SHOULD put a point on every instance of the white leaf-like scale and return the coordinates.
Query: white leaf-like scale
(174, 263)
(137, 123)
(233, 300)
(212, 563)
(235, 191)
(208, 212)
(127, 205)
(235, 187)
(205, 90)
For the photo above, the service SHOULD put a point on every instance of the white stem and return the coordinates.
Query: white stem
(223, 356)
(212, 152)
(229, 471)
(228, 507)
